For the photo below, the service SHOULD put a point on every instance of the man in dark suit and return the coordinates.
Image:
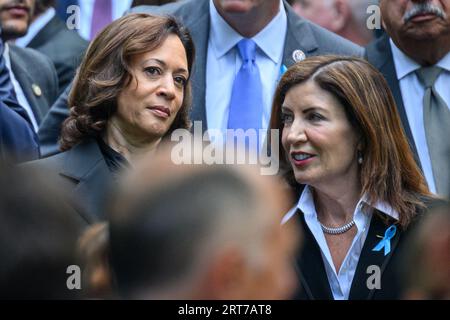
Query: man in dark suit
(32, 74)
(50, 36)
(18, 142)
(283, 38)
(416, 40)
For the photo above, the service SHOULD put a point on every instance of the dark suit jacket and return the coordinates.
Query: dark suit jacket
(301, 35)
(379, 54)
(18, 142)
(64, 47)
(32, 68)
(311, 268)
(85, 177)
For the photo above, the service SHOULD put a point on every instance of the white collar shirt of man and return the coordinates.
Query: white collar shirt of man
(224, 62)
(412, 94)
(340, 283)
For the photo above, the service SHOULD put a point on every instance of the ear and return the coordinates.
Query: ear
(341, 14)
(227, 275)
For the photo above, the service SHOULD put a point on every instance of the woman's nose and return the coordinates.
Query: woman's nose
(167, 88)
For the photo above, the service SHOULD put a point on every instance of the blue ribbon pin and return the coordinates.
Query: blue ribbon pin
(283, 69)
(386, 241)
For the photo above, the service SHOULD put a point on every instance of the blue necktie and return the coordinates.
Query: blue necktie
(246, 105)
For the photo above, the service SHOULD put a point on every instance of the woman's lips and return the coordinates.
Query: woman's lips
(302, 159)
(160, 111)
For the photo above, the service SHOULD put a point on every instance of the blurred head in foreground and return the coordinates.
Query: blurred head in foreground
(428, 261)
(201, 232)
(38, 237)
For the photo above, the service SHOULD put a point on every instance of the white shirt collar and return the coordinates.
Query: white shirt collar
(224, 37)
(404, 65)
(35, 27)
(307, 206)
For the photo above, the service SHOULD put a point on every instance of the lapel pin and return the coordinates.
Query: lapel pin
(36, 90)
(298, 55)
(386, 241)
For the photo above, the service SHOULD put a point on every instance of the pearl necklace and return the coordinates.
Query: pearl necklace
(338, 230)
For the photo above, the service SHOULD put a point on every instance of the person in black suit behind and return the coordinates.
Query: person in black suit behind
(50, 36)
(18, 141)
(416, 43)
(349, 163)
(131, 91)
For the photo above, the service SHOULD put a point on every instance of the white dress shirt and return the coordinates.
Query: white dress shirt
(21, 98)
(35, 27)
(412, 94)
(119, 7)
(340, 283)
(224, 62)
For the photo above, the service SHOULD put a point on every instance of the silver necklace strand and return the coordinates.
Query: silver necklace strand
(338, 230)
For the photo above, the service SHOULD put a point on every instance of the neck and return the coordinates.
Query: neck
(426, 53)
(131, 149)
(250, 23)
(335, 204)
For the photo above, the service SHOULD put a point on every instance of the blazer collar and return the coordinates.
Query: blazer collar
(299, 36)
(85, 164)
(47, 32)
(359, 289)
(37, 104)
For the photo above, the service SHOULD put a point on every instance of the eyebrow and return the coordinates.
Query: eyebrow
(287, 108)
(162, 63)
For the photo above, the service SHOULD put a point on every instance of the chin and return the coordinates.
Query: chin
(235, 6)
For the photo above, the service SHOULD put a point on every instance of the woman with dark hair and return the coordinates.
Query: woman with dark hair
(349, 164)
(131, 91)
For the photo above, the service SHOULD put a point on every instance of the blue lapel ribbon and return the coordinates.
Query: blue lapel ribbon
(283, 69)
(386, 241)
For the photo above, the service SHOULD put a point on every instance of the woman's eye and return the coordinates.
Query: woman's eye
(286, 118)
(315, 116)
(153, 71)
(181, 81)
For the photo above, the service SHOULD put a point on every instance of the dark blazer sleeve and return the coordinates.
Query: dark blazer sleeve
(18, 142)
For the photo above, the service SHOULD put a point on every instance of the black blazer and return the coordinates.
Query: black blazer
(84, 174)
(311, 269)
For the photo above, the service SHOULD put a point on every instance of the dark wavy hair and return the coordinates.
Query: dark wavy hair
(105, 71)
(389, 172)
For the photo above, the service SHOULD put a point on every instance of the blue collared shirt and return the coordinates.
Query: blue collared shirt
(224, 62)
(340, 282)
(412, 94)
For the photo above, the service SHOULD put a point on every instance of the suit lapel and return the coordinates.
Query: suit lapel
(46, 33)
(85, 164)
(310, 266)
(299, 36)
(37, 104)
(359, 289)
(380, 55)
(198, 25)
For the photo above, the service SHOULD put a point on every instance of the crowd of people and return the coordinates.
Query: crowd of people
(358, 121)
